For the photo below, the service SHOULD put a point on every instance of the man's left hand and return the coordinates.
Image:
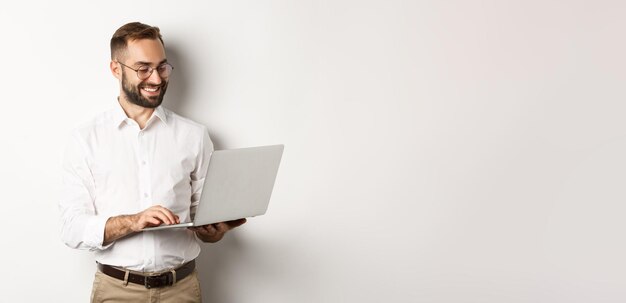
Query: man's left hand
(214, 232)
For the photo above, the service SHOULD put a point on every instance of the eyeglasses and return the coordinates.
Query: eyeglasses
(145, 71)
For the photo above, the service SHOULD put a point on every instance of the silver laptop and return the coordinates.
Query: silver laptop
(238, 184)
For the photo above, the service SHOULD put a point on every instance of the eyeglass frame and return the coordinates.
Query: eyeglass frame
(150, 70)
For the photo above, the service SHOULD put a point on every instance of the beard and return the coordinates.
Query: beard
(133, 94)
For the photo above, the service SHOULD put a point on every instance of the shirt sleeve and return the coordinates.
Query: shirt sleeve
(199, 173)
(81, 226)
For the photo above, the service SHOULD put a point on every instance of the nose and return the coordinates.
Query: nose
(154, 78)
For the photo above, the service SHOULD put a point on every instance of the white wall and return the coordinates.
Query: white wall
(436, 151)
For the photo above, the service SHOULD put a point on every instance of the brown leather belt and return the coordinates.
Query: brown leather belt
(150, 281)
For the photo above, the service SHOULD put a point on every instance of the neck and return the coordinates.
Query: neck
(136, 112)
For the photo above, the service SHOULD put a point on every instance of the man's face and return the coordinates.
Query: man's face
(149, 92)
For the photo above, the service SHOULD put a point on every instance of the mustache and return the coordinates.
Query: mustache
(163, 84)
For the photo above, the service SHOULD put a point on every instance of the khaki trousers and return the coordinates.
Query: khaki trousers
(108, 289)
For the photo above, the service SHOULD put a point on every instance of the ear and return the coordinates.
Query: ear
(115, 70)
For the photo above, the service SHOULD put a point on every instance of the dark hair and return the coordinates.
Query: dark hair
(130, 32)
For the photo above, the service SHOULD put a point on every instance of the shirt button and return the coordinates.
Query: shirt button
(145, 195)
(143, 162)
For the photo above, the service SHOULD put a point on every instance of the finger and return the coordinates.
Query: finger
(165, 215)
(222, 227)
(169, 214)
(206, 230)
(162, 213)
(160, 216)
(149, 221)
(235, 223)
(211, 228)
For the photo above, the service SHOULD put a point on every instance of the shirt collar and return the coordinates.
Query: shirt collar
(160, 113)
(120, 117)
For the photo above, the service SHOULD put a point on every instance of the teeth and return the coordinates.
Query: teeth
(154, 89)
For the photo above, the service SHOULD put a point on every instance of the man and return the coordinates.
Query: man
(136, 166)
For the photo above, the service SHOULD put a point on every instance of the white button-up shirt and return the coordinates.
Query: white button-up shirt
(112, 167)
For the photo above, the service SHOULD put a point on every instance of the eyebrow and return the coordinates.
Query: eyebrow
(139, 63)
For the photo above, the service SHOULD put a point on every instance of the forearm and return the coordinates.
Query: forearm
(118, 227)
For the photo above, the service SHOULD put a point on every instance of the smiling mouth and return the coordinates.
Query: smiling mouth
(151, 89)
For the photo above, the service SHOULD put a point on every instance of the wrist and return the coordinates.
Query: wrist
(132, 221)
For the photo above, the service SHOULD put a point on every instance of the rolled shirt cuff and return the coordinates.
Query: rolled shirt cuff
(94, 232)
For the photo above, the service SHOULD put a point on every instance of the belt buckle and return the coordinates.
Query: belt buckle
(160, 280)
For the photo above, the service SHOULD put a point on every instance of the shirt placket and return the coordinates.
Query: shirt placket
(145, 191)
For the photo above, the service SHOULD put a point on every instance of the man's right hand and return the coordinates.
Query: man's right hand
(123, 225)
(153, 216)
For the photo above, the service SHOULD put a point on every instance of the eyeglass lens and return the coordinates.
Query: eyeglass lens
(164, 71)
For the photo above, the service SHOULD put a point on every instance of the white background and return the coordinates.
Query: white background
(436, 151)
